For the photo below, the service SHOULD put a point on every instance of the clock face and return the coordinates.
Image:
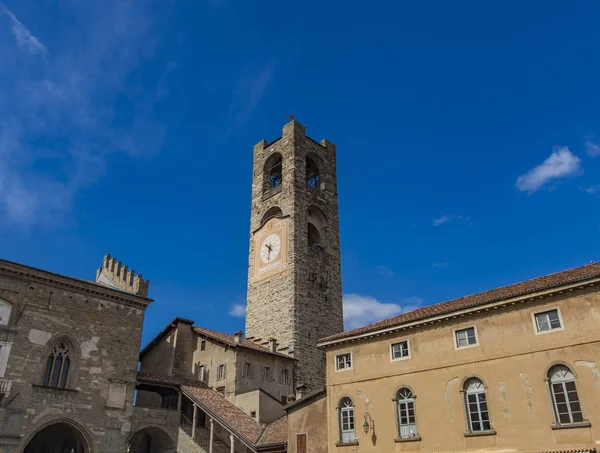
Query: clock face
(270, 248)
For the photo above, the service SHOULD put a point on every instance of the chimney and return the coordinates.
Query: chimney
(300, 389)
(237, 337)
(272, 344)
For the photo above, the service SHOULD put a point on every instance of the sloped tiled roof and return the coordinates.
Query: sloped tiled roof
(168, 380)
(578, 274)
(236, 419)
(230, 340)
(275, 432)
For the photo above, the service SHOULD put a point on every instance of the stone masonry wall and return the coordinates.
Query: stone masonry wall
(304, 302)
(103, 327)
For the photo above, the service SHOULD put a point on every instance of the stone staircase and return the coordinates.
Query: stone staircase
(185, 443)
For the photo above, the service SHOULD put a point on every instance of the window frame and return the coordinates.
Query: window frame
(562, 382)
(202, 373)
(346, 436)
(460, 329)
(547, 310)
(247, 370)
(347, 368)
(267, 376)
(284, 372)
(407, 357)
(478, 401)
(406, 402)
(219, 368)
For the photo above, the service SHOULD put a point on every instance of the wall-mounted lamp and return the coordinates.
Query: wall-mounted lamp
(368, 424)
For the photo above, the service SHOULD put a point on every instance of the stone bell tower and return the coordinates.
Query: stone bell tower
(294, 278)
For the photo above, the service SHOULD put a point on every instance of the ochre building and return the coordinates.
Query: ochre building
(514, 369)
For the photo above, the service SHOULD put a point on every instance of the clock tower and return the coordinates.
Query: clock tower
(294, 278)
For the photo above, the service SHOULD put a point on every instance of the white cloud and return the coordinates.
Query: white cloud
(63, 113)
(25, 39)
(441, 264)
(561, 164)
(250, 91)
(592, 148)
(362, 310)
(450, 218)
(385, 271)
(592, 190)
(238, 311)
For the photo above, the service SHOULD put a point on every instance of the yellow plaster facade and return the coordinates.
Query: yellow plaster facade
(510, 357)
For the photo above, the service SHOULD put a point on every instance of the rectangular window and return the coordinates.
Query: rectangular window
(400, 350)
(285, 376)
(566, 402)
(479, 419)
(343, 361)
(221, 372)
(266, 373)
(466, 337)
(347, 421)
(201, 373)
(253, 414)
(203, 345)
(547, 321)
(221, 390)
(406, 419)
(247, 370)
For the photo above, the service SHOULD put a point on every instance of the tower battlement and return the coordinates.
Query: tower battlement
(114, 273)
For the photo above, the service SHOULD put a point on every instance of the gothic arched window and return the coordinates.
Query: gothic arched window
(5, 309)
(405, 405)
(567, 408)
(58, 365)
(273, 172)
(476, 404)
(346, 415)
(312, 173)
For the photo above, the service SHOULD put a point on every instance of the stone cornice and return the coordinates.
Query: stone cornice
(11, 269)
(471, 311)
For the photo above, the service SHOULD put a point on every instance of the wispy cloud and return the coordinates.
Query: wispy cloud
(361, 310)
(238, 311)
(443, 219)
(561, 164)
(592, 190)
(25, 39)
(249, 92)
(59, 120)
(385, 271)
(592, 148)
(441, 264)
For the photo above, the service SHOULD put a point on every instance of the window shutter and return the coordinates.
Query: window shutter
(263, 377)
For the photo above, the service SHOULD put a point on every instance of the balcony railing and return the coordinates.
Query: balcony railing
(201, 435)
(5, 385)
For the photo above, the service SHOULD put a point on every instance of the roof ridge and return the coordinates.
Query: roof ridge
(520, 288)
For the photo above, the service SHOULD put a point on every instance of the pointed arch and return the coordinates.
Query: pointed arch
(60, 362)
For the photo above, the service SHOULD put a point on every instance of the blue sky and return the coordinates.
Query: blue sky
(468, 137)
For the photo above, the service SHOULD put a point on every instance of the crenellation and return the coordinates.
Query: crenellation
(115, 273)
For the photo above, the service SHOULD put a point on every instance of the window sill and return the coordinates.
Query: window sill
(489, 432)
(57, 389)
(408, 439)
(583, 424)
(346, 444)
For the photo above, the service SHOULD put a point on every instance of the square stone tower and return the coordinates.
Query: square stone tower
(294, 278)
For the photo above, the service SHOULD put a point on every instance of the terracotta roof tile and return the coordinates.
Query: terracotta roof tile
(227, 412)
(518, 289)
(168, 380)
(230, 340)
(275, 432)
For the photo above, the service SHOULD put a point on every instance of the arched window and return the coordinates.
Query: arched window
(564, 395)
(314, 237)
(58, 365)
(273, 172)
(312, 173)
(407, 425)
(5, 309)
(273, 211)
(477, 408)
(346, 414)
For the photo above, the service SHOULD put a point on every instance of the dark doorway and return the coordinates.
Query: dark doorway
(57, 438)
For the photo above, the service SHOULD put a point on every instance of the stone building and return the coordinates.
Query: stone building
(294, 277)
(68, 358)
(511, 369)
